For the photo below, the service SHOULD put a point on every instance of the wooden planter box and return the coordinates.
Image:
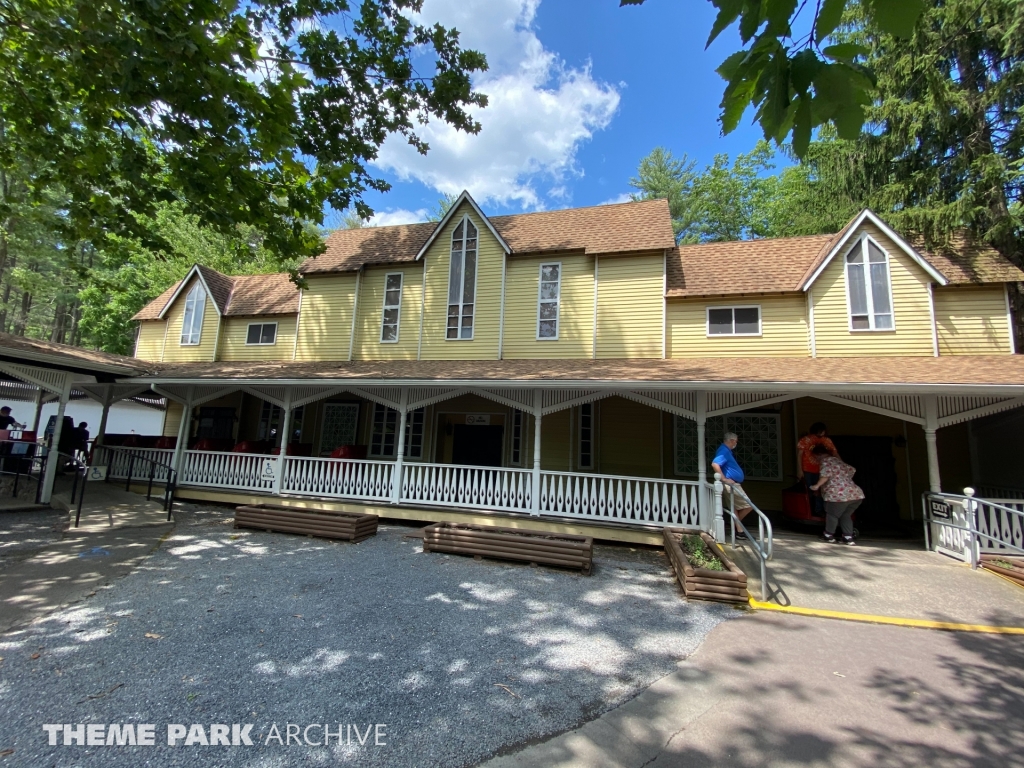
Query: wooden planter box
(1015, 573)
(326, 524)
(728, 586)
(510, 544)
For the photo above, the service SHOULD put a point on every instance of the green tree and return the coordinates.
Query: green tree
(261, 113)
(794, 83)
(661, 175)
(444, 204)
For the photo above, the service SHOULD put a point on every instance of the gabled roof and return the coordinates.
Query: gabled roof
(787, 264)
(619, 228)
(242, 295)
(846, 235)
(466, 198)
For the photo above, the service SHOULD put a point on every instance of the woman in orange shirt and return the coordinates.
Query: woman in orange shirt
(808, 466)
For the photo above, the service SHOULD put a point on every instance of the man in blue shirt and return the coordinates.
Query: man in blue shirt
(725, 464)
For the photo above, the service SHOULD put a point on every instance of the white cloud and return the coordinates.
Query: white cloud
(398, 216)
(623, 198)
(539, 112)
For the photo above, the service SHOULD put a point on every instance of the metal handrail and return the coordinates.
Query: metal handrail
(764, 544)
(169, 486)
(37, 456)
(970, 505)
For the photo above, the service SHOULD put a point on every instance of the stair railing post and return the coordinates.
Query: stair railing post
(719, 516)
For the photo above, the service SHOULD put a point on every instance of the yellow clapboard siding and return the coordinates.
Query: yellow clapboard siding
(630, 302)
(783, 328)
(628, 434)
(368, 345)
(971, 320)
(325, 317)
(234, 331)
(172, 419)
(150, 342)
(911, 308)
(576, 308)
(206, 349)
(487, 307)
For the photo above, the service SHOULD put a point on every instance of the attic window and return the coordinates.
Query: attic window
(261, 333)
(868, 287)
(462, 282)
(192, 322)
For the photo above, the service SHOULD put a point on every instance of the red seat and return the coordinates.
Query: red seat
(166, 442)
(349, 452)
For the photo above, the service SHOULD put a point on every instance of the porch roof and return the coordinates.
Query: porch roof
(955, 375)
(65, 357)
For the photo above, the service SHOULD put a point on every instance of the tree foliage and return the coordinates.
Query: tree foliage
(796, 84)
(258, 113)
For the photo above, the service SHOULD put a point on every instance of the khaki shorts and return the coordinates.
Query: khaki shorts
(742, 500)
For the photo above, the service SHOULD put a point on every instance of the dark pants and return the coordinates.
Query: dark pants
(817, 503)
(840, 513)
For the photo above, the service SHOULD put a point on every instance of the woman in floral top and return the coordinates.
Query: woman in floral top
(842, 496)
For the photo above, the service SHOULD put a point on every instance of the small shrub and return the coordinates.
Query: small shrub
(699, 554)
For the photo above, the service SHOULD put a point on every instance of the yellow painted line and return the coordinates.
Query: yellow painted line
(898, 622)
(1007, 579)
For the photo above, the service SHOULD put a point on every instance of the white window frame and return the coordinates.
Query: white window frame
(476, 281)
(260, 343)
(392, 414)
(733, 307)
(385, 306)
(197, 309)
(516, 432)
(557, 301)
(862, 243)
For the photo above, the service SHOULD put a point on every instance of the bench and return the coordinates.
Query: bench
(323, 523)
(564, 550)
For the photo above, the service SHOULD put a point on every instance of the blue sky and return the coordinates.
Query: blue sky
(580, 90)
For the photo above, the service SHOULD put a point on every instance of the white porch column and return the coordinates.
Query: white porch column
(719, 513)
(183, 430)
(537, 407)
(52, 459)
(102, 429)
(396, 489)
(931, 425)
(286, 428)
(701, 412)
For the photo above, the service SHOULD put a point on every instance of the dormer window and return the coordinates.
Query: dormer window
(462, 282)
(868, 287)
(192, 322)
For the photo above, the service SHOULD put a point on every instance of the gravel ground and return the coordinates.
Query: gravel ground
(459, 658)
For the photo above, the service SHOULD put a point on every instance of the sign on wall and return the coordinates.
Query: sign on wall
(478, 419)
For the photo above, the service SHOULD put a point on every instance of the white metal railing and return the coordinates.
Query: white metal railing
(239, 471)
(119, 458)
(614, 498)
(965, 527)
(452, 485)
(350, 478)
(762, 545)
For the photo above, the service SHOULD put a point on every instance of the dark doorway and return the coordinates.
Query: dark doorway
(216, 423)
(477, 444)
(876, 474)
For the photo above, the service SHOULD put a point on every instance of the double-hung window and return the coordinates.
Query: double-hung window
(192, 322)
(547, 301)
(734, 321)
(261, 333)
(462, 282)
(868, 287)
(392, 308)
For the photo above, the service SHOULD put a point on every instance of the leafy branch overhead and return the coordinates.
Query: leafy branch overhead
(260, 113)
(798, 84)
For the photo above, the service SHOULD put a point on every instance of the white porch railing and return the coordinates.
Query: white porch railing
(648, 501)
(349, 478)
(239, 471)
(451, 485)
(966, 527)
(1000, 526)
(120, 458)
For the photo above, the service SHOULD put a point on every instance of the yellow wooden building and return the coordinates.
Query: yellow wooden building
(568, 364)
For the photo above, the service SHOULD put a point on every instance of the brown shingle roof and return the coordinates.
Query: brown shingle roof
(781, 265)
(620, 228)
(1005, 371)
(31, 350)
(273, 294)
